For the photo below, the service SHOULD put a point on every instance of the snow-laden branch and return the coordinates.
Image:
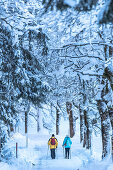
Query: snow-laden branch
(66, 56)
(3, 19)
(74, 44)
(84, 44)
(33, 115)
(88, 73)
(12, 27)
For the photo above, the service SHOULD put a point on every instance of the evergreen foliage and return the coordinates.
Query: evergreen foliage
(105, 16)
(20, 78)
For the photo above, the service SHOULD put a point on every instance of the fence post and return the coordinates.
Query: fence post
(16, 150)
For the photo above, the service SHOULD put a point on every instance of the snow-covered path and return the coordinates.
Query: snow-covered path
(38, 144)
(37, 156)
(44, 162)
(80, 158)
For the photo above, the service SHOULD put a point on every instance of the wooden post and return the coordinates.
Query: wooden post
(16, 150)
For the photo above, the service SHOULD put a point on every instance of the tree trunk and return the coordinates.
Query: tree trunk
(71, 124)
(104, 114)
(69, 111)
(30, 48)
(84, 114)
(81, 127)
(26, 122)
(84, 141)
(38, 123)
(11, 127)
(0, 147)
(111, 120)
(27, 108)
(85, 129)
(105, 128)
(57, 121)
(87, 133)
(81, 124)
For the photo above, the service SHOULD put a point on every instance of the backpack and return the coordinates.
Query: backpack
(67, 141)
(53, 141)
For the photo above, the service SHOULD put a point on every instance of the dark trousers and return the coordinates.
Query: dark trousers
(67, 152)
(53, 153)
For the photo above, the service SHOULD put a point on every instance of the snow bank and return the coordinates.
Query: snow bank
(5, 166)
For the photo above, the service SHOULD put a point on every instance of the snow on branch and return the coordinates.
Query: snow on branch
(105, 15)
(12, 27)
(84, 44)
(82, 57)
(88, 73)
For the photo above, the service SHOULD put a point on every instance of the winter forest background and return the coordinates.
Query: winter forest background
(56, 72)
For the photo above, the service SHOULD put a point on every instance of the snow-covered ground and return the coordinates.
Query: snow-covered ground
(37, 156)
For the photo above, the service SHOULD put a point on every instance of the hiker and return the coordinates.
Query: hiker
(53, 143)
(67, 144)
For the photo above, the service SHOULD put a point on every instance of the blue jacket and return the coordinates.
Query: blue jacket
(67, 142)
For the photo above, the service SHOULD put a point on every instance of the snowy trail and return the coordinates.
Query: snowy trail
(44, 162)
(37, 156)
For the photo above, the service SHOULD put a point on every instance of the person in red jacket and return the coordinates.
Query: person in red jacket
(53, 143)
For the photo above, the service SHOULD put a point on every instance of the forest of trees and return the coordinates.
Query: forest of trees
(60, 55)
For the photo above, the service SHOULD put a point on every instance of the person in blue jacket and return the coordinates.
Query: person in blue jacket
(67, 144)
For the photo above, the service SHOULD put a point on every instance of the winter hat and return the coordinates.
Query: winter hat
(53, 135)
